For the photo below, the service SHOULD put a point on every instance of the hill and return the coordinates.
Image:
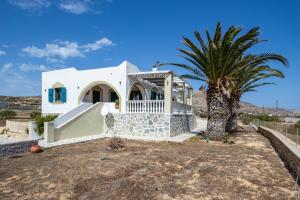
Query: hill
(199, 102)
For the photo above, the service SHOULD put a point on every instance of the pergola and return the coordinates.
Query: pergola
(168, 82)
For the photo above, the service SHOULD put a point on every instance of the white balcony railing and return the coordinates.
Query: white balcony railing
(145, 106)
(180, 108)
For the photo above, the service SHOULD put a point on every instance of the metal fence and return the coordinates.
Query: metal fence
(290, 130)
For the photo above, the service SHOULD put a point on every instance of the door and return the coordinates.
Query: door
(96, 96)
(113, 96)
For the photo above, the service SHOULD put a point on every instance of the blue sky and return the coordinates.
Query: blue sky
(38, 35)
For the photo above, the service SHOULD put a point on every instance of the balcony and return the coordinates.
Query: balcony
(156, 106)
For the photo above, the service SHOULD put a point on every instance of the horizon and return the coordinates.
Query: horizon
(44, 35)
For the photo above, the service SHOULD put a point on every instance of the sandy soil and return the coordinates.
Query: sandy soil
(248, 169)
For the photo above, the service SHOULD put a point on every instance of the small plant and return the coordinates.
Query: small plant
(226, 139)
(27, 131)
(6, 114)
(4, 131)
(40, 122)
(117, 103)
(33, 115)
(116, 143)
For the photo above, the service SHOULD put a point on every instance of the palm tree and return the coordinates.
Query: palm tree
(247, 80)
(216, 62)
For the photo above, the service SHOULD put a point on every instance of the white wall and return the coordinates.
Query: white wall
(77, 81)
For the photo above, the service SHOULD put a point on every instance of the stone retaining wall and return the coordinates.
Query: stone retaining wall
(14, 148)
(16, 126)
(286, 148)
(146, 125)
(181, 124)
(137, 125)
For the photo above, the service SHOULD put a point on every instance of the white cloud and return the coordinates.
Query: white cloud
(71, 6)
(75, 6)
(30, 5)
(16, 83)
(27, 67)
(97, 45)
(66, 49)
(5, 69)
(62, 49)
(2, 53)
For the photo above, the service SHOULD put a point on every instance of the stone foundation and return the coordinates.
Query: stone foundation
(181, 124)
(146, 125)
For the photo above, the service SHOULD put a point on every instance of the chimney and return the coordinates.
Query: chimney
(155, 67)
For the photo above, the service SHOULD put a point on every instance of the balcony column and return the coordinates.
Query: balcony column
(168, 93)
(190, 94)
(183, 94)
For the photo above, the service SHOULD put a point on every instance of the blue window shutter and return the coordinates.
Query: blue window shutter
(63, 94)
(50, 95)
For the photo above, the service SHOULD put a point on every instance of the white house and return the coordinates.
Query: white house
(119, 100)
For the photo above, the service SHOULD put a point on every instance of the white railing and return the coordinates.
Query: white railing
(180, 108)
(145, 106)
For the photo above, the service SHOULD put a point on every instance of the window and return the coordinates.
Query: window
(58, 94)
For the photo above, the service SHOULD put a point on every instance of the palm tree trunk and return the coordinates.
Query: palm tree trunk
(217, 114)
(233, 107)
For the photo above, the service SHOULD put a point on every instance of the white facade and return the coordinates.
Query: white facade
(119, 100)
(77, 82)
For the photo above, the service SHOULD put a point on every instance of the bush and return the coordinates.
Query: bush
(116, 144)
(4, 131)
(6, 114)
(247, 118)
(40, 122)
(33, 115)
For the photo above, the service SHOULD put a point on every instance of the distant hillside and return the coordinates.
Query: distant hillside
(20, 103)
(199, 102)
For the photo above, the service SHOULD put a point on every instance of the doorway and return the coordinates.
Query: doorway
(96, 96)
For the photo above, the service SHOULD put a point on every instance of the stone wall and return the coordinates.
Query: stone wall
(181, 124)
(17, 126)
(286, 148)
(137, 125)
(14, 148)
(146, 125)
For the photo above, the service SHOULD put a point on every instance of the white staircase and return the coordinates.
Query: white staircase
(65, 118)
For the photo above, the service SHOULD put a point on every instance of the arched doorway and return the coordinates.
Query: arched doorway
(99, 92)
(137, 92)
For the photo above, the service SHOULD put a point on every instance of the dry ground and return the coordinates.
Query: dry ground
(248, 169)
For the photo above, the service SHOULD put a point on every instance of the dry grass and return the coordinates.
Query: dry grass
(248, 169)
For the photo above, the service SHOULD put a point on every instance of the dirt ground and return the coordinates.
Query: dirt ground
(248, 169)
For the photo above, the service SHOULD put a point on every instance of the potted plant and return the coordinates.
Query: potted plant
(117, 103)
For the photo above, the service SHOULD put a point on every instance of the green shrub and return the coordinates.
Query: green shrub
(247, 118)
(6, 114)
(203, 115)
(226, 138)
(4, 131)
(34, 114)
(40, 122)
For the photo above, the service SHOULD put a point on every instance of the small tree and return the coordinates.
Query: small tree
(6, 114)
(40, 122)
